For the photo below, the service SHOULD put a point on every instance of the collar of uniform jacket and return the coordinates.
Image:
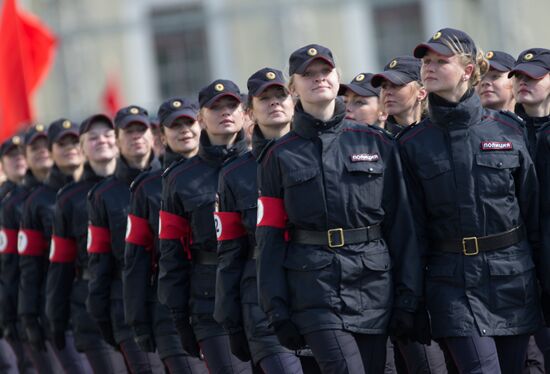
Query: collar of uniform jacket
(170, 157)
(309, 127)
(124, 172)
(56, 179)
(465, 113)
(218, 154)
(89, 175)
(259, 142)
(30, 180)
(536, 121)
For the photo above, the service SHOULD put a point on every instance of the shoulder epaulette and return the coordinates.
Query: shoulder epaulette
(174, 165)
(513, 116)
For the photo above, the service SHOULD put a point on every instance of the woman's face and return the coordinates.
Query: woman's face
(99, 143)
(66, 152)
(224, 117)
(444, 75)
(14, 163)
(361, 109)
(318, 84)
(135, 140)
(495, 89)
(183, 135)
(273, 107)
(399, 99)
(38, 155)
(530, 91)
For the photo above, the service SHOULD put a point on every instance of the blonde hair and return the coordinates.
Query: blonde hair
(481, 64)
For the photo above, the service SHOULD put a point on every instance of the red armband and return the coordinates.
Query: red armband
(271, 212)
(172, 226)
(139, 232)
(31, 243)
(229, 225)
(62, 249)
(8, 241)
(99, 239)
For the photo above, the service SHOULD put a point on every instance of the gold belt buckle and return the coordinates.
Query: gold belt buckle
(465, 249)
(340, 232)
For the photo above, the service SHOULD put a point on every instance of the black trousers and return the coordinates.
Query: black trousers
(219, 359)
(341, 352)
(488, 355)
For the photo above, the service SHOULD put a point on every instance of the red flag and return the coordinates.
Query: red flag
(111, 99)
(26, 53)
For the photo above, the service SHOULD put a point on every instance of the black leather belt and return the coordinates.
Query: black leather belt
(335, 238)
(471, 246)
(204, 257)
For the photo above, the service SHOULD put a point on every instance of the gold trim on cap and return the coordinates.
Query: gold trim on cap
(66, 124)
(134, 110)
(360, 77)
(393, 64)
(528, 57)
(312, 52)
(176, 104)
(16, 140)
(39, 127)
(219, 87)
(489, 55)
(270, 75)
(437, 35)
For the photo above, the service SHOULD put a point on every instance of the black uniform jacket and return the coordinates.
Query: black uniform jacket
(186, 281)
(10, 217)
(68, 255)
(335, 175)
(108, 204)
(142, 244)
(34, 243)
(5, 189)
(469, 174)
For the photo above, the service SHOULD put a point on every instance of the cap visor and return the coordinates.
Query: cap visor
(7, 149)
(356, 89)
(498, 66)
(265, 86)
(62, 134)
(532, 71)
(306, 63)
(423, 48)
(126, 121)
(179, 114)
(36, 136)
(396, 77)
(209, 103)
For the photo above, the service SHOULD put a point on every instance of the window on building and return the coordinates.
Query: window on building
(398, 26)
(181, 50)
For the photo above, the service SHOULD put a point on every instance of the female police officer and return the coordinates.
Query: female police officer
(362, 100)
(188, 244)
(237, 309)
(474, 196)
(336, 186)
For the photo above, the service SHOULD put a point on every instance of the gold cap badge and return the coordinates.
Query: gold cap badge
(437, 35)
(219, 87)
(16, 140)
(360, 78)
(489, 55)
(270, 75)
(528, 56)
(66, 124)
(134, 110)
(176, 104)
(39, 127)
(312, 52)
(393, 64)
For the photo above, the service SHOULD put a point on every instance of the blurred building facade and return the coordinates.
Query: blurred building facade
(156, 49)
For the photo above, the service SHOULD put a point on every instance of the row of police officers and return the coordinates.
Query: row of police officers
(288, 230)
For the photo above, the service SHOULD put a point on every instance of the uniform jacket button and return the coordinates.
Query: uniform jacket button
(499, 164)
